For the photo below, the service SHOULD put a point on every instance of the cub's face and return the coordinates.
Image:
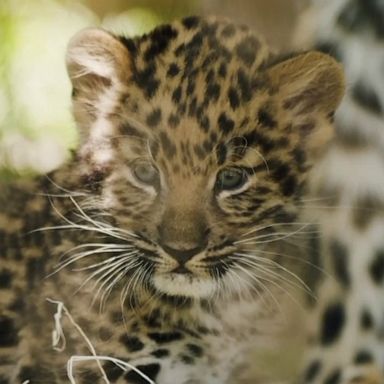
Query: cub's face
(201, 146)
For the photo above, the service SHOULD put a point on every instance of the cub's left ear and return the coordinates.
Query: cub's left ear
(96, 58)
(309, 82)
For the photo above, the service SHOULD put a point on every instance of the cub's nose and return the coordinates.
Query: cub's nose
(182, 255)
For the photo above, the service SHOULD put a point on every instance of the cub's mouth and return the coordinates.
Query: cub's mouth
(195, 273)
(185, 284)
(208, 272)
(182, 269)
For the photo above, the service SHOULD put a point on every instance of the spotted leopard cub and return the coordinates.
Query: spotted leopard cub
(164, 235)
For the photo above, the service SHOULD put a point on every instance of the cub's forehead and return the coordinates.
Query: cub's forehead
(192, 83)
(184, 49)
(200, 39)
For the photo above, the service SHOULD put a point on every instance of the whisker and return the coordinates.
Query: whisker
(138, 279)
(278, 235)
(256, 279)
(110, 275)
(274, 283)
(98, 223)
(97, 264)
(269, 272)
(277, 265)
(80, 255)
(98, 227)
(109, 288)
(237, 279)
(110, 245)
(272, 225)
(106, 277)
(126, 291)
(77, 257)
(285, 235)
(73, 226)
(108, 268)
(67, 191)
(296, 258)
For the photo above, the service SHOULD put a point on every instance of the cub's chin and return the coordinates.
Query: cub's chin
(186, 285)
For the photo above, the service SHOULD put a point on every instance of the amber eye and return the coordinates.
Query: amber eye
(231, 178)
(146, 173)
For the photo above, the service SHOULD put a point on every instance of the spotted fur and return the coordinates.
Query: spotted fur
(347, 322)
(161, 258)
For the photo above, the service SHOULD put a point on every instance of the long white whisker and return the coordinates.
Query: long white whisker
(96, 245)
(280, 277)
(322, 270)
(98, 226)
(109, 275)
(126, 290)
(137, 280)
(98, 264)
(96, 223)
(119, 276)
(237, 279)
(272, 235)
(78, 256)
(67, 191)
(256, 279)
(285, 236)
(80, 226)
(108, 268)
(274, 283)
(272, 225)
(277, 265)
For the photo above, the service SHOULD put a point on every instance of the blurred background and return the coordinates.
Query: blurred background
(36, 128)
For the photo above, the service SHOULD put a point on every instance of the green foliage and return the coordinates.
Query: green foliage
(34, 87)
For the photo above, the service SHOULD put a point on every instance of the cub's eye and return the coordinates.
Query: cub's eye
(145, 172)
(231, 178)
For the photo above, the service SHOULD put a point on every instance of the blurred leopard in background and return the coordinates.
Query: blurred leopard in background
(167, 236)
(347, 325)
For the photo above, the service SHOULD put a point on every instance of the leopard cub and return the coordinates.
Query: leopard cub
(164, 236)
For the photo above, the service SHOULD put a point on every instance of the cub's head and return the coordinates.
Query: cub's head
(200, 141)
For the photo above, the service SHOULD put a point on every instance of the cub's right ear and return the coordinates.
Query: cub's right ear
(95, 59)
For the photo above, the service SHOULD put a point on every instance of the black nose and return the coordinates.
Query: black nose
(182, 255)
